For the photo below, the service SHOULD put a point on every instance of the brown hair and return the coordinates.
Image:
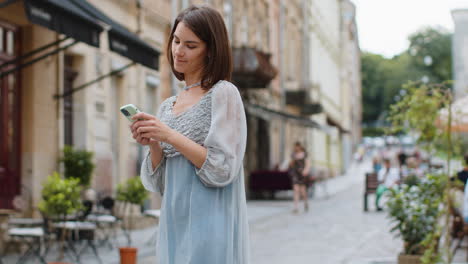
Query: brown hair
(208, 25)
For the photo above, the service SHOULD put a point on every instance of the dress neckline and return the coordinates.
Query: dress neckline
(171, 110)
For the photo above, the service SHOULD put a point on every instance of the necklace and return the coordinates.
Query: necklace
(191, 86)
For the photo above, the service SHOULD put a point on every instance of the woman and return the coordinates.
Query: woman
(299, 170)
(196, 148)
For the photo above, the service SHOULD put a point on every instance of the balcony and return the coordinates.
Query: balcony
(252, 68)
(300, 98)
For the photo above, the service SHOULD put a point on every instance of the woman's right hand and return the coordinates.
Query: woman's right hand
(137, 136)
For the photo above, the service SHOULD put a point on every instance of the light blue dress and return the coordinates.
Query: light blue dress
(203, 212)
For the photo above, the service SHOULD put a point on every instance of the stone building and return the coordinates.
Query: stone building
(460, 52)
(68, 96)
(296, 64)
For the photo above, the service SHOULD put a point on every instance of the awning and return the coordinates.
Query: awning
(65, 17)
(84, 22)
(268, 114)
(122, 40)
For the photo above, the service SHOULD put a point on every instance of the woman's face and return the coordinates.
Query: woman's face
(188, 51)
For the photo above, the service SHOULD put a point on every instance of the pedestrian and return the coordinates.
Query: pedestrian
(376, 164)
(463, 174)
(388, 177)
(196, 148)
(299, 171)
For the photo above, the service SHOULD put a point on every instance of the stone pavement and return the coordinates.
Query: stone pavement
(334, 231)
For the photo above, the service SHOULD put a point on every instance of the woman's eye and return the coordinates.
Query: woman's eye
(191, 47)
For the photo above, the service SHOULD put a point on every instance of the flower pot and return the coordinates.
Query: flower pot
(128, 255)
(409, 259)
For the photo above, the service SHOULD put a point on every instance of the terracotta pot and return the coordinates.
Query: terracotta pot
(128, 255)
(409, 259)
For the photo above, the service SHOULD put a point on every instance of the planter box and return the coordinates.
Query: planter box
(409, 259)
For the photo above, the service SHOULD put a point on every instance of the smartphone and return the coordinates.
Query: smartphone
(129, 111)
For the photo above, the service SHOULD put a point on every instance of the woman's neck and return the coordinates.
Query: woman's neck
(191, 79)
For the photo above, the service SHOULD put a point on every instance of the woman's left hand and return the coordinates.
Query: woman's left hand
(305, 173)
(151, 127)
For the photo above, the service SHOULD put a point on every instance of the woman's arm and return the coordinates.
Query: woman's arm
(152, 128)
(190, 149)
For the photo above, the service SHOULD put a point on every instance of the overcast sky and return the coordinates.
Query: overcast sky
(384, 25)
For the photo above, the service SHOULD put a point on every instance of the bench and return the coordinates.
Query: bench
(269, 181)
(371, 184)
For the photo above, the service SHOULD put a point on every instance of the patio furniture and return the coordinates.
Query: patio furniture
(154, 213)
(77, 231)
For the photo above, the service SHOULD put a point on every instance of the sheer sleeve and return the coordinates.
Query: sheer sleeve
(226, 138)
(153, 180)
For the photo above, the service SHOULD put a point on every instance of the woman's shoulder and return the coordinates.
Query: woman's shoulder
(225, 88)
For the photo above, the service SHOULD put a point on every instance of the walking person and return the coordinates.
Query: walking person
(299, 171)
(196, 149)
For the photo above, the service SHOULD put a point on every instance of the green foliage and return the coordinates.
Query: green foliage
(132, 191)
(78, 164)
(435, 43)
(418, 111)
(60, 197)
(382, 78)
(373, 131)
(414, 211)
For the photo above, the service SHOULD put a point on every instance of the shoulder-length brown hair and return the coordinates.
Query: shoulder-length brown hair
(208, 25)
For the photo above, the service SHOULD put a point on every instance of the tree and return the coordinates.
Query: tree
(431, 53)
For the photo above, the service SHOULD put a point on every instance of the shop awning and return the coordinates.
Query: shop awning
(269, 114)
(65, 17)
(121, 40)
(82, 21)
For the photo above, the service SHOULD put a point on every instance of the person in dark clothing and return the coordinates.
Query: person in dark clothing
(463, 174)
(402, 158)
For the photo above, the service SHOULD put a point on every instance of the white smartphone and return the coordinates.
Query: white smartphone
(129, 111)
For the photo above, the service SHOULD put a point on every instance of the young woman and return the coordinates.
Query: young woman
(196, 149)
(299, 171)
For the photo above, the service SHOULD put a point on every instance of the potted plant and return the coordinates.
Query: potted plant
(60, 198)
(132, 193)
(426, 111)
(414, 210)
(78, 164)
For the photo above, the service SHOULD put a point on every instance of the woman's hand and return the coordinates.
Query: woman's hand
(150, 129)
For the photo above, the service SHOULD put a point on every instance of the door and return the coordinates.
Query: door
(10, 114)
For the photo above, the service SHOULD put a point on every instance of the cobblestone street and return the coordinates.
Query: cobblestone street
(335, 230)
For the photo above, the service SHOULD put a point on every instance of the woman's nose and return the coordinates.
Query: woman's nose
(178, 51)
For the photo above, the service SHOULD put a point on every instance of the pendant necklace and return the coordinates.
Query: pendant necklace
(190, 86)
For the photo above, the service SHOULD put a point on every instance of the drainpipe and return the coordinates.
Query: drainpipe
(281, 69)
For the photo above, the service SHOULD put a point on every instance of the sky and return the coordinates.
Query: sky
(384, 25)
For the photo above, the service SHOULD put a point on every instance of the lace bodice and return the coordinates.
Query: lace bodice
(193, 123)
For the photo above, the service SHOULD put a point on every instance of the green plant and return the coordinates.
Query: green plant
(132, 191)
(78, 164)
(60, 197)
(426, 111)
(414, 210)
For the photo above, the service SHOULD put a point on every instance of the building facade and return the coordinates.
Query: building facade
(46, 113)
(460, 52)
(304, 86)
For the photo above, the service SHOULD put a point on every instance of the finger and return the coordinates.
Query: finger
(145, 129)
(146, 123)
(143, 116)
(146, 135)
